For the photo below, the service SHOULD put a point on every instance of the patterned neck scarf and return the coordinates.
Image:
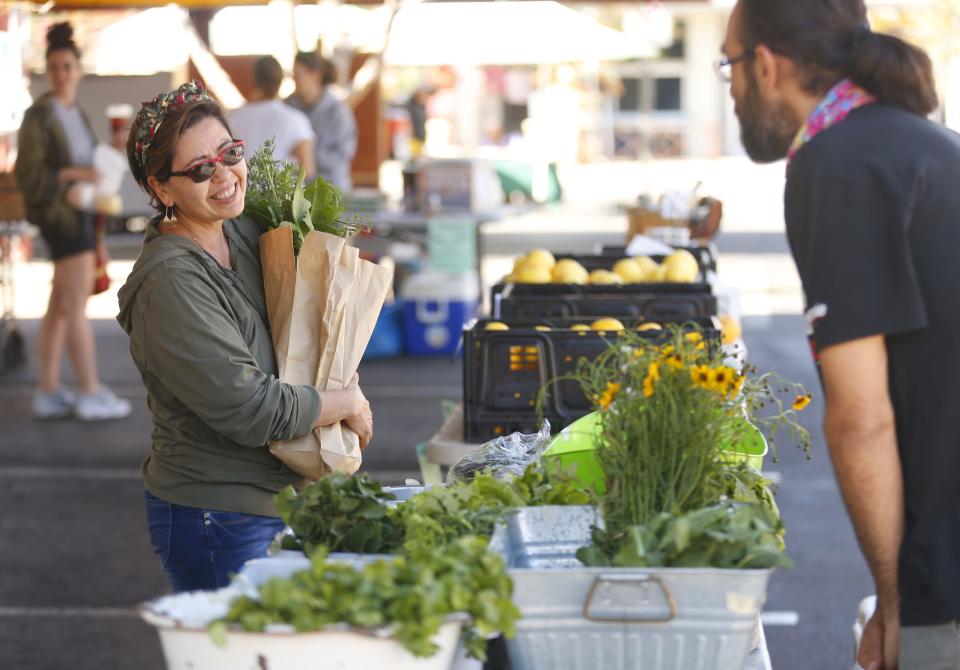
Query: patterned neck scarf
(834, 108)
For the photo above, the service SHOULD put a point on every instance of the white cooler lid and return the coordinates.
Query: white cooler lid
(430, 285)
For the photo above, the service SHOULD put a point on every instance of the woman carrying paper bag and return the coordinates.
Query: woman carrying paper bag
(195, 310)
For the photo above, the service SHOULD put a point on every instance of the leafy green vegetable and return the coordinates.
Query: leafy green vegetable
(350, 513)
(442, 514)
(539, 486)
(276, 197)
(343, 513)
(412, 595)
(736, 535)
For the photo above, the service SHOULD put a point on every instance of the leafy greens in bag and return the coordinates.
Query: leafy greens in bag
(276, 196)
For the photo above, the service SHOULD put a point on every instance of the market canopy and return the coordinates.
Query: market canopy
(502, 33)
(439, 33)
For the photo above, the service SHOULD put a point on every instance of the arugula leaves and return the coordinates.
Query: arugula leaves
(342, 513)
(740, 529)
(738, 535)
(351, 514)
(414, 596)
(276, 197)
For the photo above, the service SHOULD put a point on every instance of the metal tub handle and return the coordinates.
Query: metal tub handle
(629, 598)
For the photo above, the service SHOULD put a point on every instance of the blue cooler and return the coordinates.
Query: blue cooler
(387, 338)
(436, 305)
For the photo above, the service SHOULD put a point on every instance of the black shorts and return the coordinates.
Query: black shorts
(82, 238)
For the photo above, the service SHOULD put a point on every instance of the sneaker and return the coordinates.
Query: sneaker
(56, 405)
(100, 406)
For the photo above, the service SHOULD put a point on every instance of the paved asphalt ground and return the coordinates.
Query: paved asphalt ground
(75, 559)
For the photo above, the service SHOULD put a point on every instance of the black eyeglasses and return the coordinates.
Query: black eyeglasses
(205, 169)
(724, 66)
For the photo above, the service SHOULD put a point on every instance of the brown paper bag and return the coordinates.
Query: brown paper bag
(311, 303)
(371, 283)
(279, 277)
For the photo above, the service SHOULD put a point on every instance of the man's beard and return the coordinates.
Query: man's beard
(766, 130)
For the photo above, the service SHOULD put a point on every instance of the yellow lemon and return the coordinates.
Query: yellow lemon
(580, 326)
(730, 329)
(543, 329)
(496, 325)
(518, 263)
(649, 325)
(540, 258)
(605, 277)
(648, 267)
(628, 270)
(533, 274)
(681, 266)
(569, 271)
(658, 275)
(606, 324)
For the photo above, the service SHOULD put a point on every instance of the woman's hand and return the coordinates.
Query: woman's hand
(80, 195)
(362, 422)
(349, 406)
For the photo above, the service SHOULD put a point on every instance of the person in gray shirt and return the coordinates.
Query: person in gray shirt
(331, 118)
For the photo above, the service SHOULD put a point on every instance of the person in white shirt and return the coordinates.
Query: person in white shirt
(266, 116)
(331, 118)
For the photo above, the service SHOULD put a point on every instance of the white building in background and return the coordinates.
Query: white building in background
(673, 104)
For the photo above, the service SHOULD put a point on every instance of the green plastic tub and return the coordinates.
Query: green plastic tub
(573, 450)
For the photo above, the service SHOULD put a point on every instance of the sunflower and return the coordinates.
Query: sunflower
(721, 379)
(605, 400)
(801, 401)
(650, 381)
(700, 375)
(736, 385)
(697, 339)
(675, 361)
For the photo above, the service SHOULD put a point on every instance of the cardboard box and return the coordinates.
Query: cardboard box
(640, 220)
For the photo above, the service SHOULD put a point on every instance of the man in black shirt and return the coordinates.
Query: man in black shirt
(872, 206)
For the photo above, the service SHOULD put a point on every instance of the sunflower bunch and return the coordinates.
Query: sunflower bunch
(665, 408)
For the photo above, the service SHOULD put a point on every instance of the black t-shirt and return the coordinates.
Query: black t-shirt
(873, 217)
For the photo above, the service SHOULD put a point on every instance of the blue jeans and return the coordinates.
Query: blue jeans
(202, 548)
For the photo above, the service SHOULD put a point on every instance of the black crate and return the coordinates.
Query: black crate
(504, 370)
(604, 260)
(663, 303)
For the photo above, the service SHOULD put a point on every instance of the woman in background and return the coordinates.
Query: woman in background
(55, 174)
(332, 120)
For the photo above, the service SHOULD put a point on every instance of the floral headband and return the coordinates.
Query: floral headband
(152, 113)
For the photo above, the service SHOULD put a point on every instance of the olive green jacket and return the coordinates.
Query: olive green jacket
(42, 150)
(200, 339)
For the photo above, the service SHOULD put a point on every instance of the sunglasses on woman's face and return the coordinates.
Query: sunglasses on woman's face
(205, 169)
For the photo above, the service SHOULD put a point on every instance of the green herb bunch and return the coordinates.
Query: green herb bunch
(726, 535)
(351, 514)
(342, 513)
(276, 196)
(411, 596)
(665, 411)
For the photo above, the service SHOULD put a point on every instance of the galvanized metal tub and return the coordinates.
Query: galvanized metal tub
(580, 618)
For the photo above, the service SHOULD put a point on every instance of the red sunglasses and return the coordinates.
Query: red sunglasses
(205, 169)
